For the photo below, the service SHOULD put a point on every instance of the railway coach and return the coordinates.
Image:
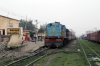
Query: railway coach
(94, 36)
(56, 35)
(70, 36)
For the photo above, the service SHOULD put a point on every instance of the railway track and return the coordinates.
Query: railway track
(92, 56)
(32, 63)
(17, 62)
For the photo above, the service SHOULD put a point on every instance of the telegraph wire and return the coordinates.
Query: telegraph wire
(3, 9)
(9, 13)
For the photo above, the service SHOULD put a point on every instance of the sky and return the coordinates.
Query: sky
(77, 15)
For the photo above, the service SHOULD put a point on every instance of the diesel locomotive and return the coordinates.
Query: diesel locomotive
(57, 35)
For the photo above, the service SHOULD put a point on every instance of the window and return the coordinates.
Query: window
(10, 24)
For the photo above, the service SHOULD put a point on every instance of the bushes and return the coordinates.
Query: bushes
(12, 48)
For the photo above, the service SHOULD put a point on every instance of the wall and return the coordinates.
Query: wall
(5, 21)
(15, 41)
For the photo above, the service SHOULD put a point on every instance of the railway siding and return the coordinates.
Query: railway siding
(64, 56)
(80, 53)
(90, 53)
(28, 59)
(93, 45)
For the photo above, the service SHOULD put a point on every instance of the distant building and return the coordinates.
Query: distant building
(7, 22)
(26, 32)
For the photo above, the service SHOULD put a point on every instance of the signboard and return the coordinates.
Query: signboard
(11, 31)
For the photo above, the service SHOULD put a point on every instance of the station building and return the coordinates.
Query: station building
(7, 22)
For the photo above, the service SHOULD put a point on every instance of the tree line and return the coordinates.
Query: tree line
(28, 25)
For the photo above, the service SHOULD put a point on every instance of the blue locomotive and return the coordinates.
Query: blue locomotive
(56, 35)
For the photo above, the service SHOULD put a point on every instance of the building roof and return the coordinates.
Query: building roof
(9, 17)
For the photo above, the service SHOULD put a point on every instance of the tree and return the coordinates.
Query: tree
(27, 25)
(42, 28)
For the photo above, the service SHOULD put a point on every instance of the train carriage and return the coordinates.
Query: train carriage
(95, 36)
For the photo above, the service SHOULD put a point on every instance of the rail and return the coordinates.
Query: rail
(85, 52)
(31, 64)
(19, 60)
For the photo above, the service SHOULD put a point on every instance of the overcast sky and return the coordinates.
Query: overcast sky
(78, 15)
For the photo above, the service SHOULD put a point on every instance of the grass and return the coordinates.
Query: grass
(86, 49)
(25, 62)
(70, 59)
(7, 61)
(64, 59)
(93, 45)
(43, 61)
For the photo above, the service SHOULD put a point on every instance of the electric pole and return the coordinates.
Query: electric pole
(36, 30)
(26, 22)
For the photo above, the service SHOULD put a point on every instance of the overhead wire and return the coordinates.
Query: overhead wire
(10, 13)
(5, 10)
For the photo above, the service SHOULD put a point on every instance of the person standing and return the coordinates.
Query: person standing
(27, 38)
(41, 38)
(31, 35)
(35, 37)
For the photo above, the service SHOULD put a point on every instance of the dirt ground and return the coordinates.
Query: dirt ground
(71, 46)
(31, 46)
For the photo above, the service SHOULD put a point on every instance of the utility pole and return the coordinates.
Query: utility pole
(37, 23)
(36, 29)
(26, 22)
(26, 18)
